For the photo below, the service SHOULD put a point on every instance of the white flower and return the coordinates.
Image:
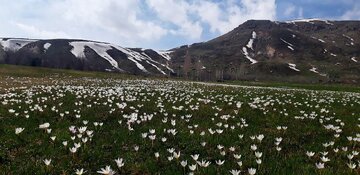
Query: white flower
(220, 146)
(351, 165)
(47, 162)
(219, 162)
(278, 139)
(44, 126)
(258, 161)
(253, 147)
(344, 149)
(144, 135)
(19, 130)
(260, 137)
(195, 157)
(152, 137)
(183, 163)
(235, 172)
(65, 143)
(355, 153)
(107, 171)
(176, 155)
(136, 148)
(320, 165)
(223, 153)
(119, 162)
(152, 131)
(192, 167)
(170, 150)
(157, 155)
(73, 149)
(240, 163)
(310, 154)
(203, 163)
(11, 111)
(77, 145)
(278, 148)
(53, 138)
(258, 154)
(325, 159)
(80, 172)
(237, 156)
(252, 171)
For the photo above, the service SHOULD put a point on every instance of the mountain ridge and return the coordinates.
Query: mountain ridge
(307, 50)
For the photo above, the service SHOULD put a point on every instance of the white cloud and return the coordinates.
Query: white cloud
(37, 33)
(133, 23)
(224, 20)
(290, 10)
(353, 14)
(120, 18)
(300, 13)
(178, 13)
(221, 16)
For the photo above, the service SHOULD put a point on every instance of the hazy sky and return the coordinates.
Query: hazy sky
(158, 24)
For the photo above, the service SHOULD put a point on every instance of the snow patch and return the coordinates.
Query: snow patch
(132, 56)
(165, 54)
(100, 48)
(321, 40)
(137, 58)
(15, 44)
(251, 41)
(248, 57)
(47, 46)
(351, 39)
(314, 69)
(293, 67)
(290, 45)
(332, 54)
(354, 59)
(151, 60)
(348, 37)
(311, 21)
(286, 42)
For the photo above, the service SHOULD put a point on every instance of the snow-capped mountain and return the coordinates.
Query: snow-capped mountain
(84, 55)
(307, 50)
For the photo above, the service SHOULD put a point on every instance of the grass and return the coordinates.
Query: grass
(309, 86)
(65, 98)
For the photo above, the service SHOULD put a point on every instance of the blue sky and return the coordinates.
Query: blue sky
(157, 24)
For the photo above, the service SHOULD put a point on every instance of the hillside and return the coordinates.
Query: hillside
(304, 51)
(83, 55)
(299, 51)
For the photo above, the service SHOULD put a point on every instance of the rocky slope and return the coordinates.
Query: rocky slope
(83, 55)
(297, 51)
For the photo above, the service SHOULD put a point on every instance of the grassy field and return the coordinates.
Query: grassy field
(62, 122)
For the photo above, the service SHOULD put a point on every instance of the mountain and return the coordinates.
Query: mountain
(83, 55)
(310, 50)
(299, 51)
